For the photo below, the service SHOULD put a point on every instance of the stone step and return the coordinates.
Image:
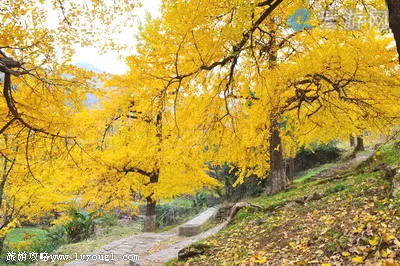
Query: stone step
(189, 229)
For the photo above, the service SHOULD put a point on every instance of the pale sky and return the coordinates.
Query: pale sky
(110, 62)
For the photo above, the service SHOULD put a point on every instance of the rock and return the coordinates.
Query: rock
(223, 212)
(315, 196)
(388, 171)
(189, 229)
(134, 263)
(293, 204)
(212, 201)
(240, 205)
(305, 199)
(259, 221)
(191, 251)
(397, 145)
(396, 185)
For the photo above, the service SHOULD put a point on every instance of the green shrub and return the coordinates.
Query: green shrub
(166, 214)
(245, 213)
(108, 220)
(316, 154)
(199, 201)
(175, 211)
(337, 188)
(389, 153)
(56, 236)
(81, 226)
(227, 174)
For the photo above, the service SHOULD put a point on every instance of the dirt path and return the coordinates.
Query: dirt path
(152, 248)
(360, 157)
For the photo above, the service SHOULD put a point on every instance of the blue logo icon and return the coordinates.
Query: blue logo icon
(298, 20)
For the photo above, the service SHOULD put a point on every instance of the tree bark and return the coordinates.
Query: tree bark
(394, 21)
(352, 141)
(290, 168)
(360, 144)
(2, 239)
(278, 180)
(150, 217)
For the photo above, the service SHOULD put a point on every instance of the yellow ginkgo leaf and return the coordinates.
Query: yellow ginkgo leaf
(374, 241)
(397, 242)
(385, 253)
(345, 254)
(358, 259)
(387, 237)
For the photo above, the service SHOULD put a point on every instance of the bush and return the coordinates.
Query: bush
(337, 188)
(81, 226)
(56, 236)
(318, 154)
(199, 201)
(175, 212)
(227, 174)
(108, 220)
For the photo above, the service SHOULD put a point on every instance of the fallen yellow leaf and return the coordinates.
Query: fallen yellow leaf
(358, 259)
(374, 241)
(397, 242)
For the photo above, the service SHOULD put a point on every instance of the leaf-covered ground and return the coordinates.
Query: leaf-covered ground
(356, 223)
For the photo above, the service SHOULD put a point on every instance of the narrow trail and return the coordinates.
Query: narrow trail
(152, 248)
(360, 157)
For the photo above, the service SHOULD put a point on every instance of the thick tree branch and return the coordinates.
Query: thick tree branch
(394, 21)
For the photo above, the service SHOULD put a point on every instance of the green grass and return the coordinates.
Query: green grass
(389, 154)
(178, 202)
(312, 172)
(300, 188)
(25, 234)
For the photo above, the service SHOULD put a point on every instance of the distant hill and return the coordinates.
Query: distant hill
(88, 66)
(91, 99)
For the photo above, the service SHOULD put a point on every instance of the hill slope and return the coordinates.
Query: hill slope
(345, 219)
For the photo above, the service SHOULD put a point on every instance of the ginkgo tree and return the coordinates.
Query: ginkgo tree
(145, 144)
(241, 64)
(41, 92)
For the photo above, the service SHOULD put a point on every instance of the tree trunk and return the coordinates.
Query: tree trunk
(290, 168)
(394, 21)
(277, 175)
(360, 144)
(228, 187)
(150, 217)
(352, 141)
(2, 239)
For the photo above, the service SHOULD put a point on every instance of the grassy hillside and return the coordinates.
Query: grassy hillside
(349, 219)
